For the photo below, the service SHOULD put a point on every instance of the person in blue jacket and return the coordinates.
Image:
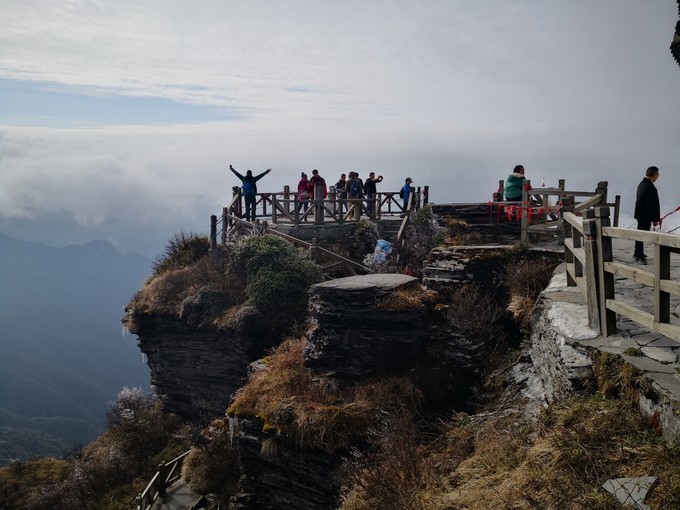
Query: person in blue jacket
(249, 187)
(405, 192)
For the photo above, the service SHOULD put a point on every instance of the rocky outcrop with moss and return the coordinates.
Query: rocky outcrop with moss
(202, 324)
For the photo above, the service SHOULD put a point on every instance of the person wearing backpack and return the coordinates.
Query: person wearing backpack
(405, 193)
(249, 188)
(354, 192)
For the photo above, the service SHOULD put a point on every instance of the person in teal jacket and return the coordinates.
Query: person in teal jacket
(513, 185)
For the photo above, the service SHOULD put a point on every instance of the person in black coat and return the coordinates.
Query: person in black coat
(647, 209)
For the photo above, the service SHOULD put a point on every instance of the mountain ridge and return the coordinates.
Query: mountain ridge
(63, 356)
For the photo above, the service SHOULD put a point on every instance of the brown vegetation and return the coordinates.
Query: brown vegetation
(212, 464)
(290, 401)
(498, 461)
(525, 280)
(108, 473)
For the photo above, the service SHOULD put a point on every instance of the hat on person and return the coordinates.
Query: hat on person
(303, 175)
(408, 179)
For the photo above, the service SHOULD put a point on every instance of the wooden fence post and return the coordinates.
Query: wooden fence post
(662, 271)
(236, 191)
(286, 198)
(617, 209)
(606, 279)
(213, 232)
(274, 211)
(567, 205)
(426, 195)
(602, 191)
(591, 269)
(524, 235)
(498, 195)
(263, 200)
(226, 224)
(314, 250)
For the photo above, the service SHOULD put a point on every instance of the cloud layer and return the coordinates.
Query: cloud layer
(452, 93)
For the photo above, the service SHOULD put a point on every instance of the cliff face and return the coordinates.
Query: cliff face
(196, 365)
(194, 371)
(361, 328)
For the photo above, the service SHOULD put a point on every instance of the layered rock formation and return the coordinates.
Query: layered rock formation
(278, 474)
(196, 366)
(361, 327)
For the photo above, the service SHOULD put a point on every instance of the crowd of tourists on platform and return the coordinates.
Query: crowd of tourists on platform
(349, 189)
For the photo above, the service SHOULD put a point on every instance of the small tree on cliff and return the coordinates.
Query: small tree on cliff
(278, 275)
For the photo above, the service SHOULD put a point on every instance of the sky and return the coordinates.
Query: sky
(118, 120)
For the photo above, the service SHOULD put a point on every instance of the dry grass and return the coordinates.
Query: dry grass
(497, 461)
(460, 233)
(412, 297)
(212, 464)
(288, 399)
(525, 280)
(164, 293)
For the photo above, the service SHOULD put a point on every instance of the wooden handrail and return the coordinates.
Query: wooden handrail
(593, 269)
(167, 473)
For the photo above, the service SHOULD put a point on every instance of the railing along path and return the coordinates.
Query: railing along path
(591, 267)
(167, 474)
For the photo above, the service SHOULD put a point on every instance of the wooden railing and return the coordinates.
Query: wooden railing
(591, 267)
(540, 208)
(166, 475)
(286, 207)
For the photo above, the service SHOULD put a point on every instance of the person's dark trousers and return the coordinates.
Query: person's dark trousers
(250, 208)
(639, 247)
(370, 202)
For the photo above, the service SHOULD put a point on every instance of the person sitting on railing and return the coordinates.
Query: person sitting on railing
(514, 184)
(249, 187)
(371, 191)
(647, 209)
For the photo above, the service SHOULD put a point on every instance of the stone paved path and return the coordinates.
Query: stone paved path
(178, 497)
(656, 356)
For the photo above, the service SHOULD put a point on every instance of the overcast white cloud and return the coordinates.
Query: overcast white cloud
(122, 117)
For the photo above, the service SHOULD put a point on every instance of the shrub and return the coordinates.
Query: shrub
(139, 425)
(278, 275)
(181, 250)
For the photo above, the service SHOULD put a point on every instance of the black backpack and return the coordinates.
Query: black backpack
(355, 188)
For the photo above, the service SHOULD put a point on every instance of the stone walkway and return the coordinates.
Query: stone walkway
(655, 355)
(178, 497)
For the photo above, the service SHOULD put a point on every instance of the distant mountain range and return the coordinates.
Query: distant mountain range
(63, 352)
